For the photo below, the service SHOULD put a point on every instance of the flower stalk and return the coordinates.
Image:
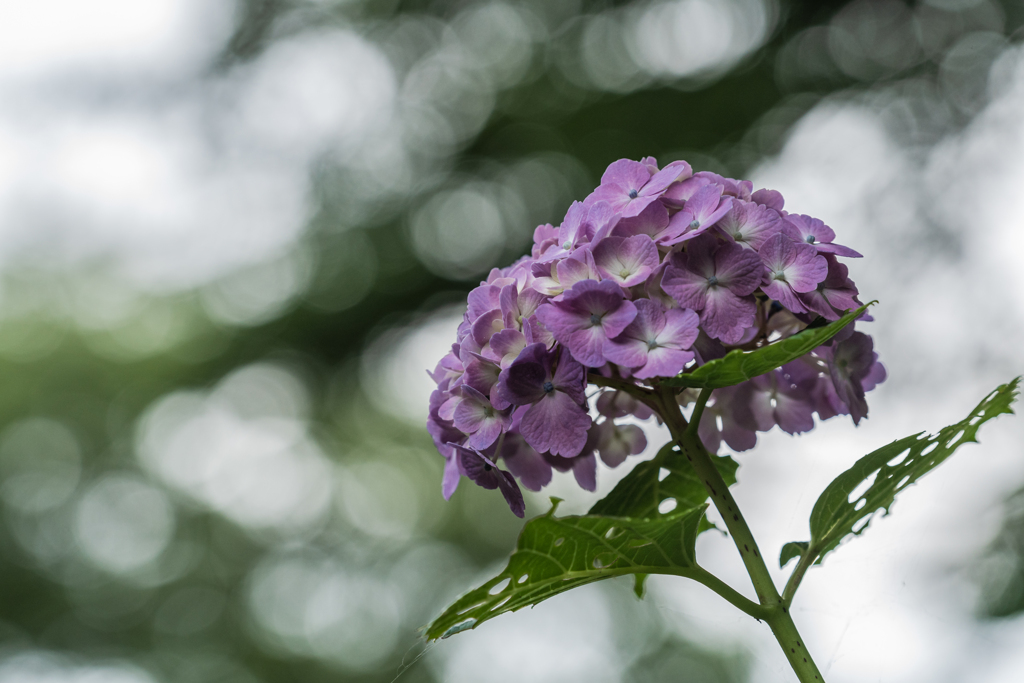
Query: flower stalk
(775, 609)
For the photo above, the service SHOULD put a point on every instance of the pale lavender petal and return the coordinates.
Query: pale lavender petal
(749, 224)
(680, 329)
(486, 325)
(507, 345)
(626, 260)
(452, 475)
(663, 361)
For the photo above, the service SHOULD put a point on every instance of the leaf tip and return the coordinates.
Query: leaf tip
(459, 628)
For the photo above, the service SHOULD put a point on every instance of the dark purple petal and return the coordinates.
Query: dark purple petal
(570, 377)
(486, 474)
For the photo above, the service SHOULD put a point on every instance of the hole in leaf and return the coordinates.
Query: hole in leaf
(662, 473)
(899, 458)
(470, 608)
(862, 488)
(975, 420)
(640, 542)
(859, 526)
(501, 602)
(860, 503)
(931, 447)
(666, 506)
(523, 578)
(498, 587)
(603, 561)
(559, 541)
(612, 533)
(956, 437)
(903, 481)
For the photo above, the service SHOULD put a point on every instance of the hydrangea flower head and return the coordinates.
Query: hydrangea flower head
(656, 272)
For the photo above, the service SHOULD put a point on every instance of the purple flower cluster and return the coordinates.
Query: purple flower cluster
(656, 272)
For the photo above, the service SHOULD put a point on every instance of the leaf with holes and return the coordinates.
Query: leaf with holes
(661, 485)
(847, 504)
(556, 554)
(739, 366)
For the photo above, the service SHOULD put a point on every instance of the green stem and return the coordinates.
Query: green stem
(806, 560)
(776, 614)
(726, 591)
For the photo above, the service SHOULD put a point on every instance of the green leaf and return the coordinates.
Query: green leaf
(791, 550)
(667, 476)
(739, 366)
(639, 581)
(556, 554)
(879, 476)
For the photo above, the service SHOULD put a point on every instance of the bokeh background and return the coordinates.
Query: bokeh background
(234, 234)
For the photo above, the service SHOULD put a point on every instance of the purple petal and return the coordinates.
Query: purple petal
(615, 443)
(626, 172)
(769, 198)
(556, 424)
(482, 299)
(584, 468)
(652, 221)
(525, 463)
(571, 378)
(738, 269)
(665, 177)
(795, 264)
(726, 315)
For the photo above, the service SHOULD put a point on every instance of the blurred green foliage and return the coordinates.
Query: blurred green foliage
(189, 610)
